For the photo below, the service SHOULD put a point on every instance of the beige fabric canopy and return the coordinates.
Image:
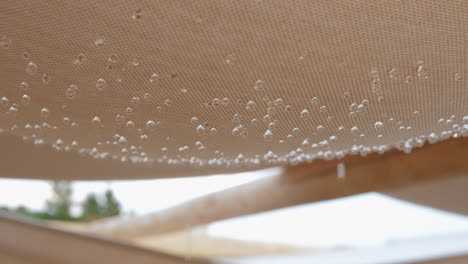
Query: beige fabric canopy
(140, 89)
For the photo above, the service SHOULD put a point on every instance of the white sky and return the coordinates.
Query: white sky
(362, 220)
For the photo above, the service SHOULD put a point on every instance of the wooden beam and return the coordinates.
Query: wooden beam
(28, 242)
(302, 184)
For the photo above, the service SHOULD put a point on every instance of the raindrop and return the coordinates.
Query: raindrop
(237, 118)
(45, 112)
(201, 130)
(135, 100)
(144, 137)
(74, 144)
(378, 126)
(458, 76)
(25, 99)
(80, 59)
(305, 114)
(268, 136)
(288, 108)
(150, 125)
(136, 61)
(409, 79)
(59, 142)
(71, 91)
(130, 124)
(122, 140)
(137, 14)
(394, 74)
(168, 102)
(31, 68)
(119, 119)
(66, 121)
(251, 106)
(346, 95)
(13, 109)
(99, 41)
(213, 131)
(26, 55)
(96, 121)
(153, 78)
(101, 84)
(147, 96)
(422, 71)
(45, 79)
(194, 120)
(259, 85)
(230, 59)
(315, 101)
(129, 110)
(323, 108)
(24, 86)
(465, 119)
(5, 42)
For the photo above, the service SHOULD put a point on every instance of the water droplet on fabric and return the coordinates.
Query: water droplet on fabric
(135, 101)
(45, 112)
(259, 85)
(101, 84)
(144, 138)
(96, 121)
(251, 106)
(305, 114)
(71, 91)
(66, 121)
(5, 42)
(201, 130)
(130, 124)
(120, 119)
(378, 126)
(153, 78)
(24, 86)
(422, 71)
(394, 74)
(80, 59)
(26, 55)
(150, 125)
(122, 140)
(99, 41)
(147, 96)
(137, 14)
(25, 99)
(45, 79)
(31, 68)
(268, 136)
(231, 59)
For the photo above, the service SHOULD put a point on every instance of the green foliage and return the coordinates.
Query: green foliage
(58, 207)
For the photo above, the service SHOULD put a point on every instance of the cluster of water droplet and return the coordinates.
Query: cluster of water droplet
(292, 132)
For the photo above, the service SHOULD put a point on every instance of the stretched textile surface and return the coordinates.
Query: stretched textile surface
(141, 89)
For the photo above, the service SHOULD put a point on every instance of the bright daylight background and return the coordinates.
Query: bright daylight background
(362, 220)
